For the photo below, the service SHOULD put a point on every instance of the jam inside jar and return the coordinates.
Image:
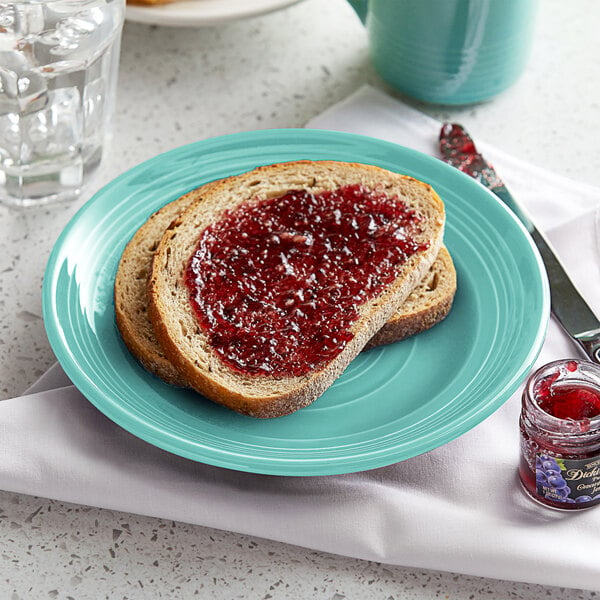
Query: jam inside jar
(560, 435)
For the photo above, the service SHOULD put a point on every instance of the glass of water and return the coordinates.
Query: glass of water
(58, 73)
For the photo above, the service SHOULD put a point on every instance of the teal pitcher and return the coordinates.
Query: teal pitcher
(449, 51)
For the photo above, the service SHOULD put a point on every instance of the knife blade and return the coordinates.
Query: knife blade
(567, 305)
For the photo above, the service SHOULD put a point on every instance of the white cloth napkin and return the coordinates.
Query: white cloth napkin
(457, 508)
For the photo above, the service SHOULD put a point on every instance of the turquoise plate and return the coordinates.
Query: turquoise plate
(392, 403)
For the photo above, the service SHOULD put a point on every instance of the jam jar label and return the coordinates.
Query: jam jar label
(568, 480)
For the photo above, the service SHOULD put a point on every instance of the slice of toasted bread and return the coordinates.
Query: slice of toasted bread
(427, 305)
(187, 345)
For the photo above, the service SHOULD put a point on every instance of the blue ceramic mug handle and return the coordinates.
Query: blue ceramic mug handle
(361, 7)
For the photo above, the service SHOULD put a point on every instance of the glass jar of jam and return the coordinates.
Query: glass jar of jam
(560, 435)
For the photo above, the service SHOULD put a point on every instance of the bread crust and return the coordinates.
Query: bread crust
(175, 324)
(130, 297)
(428, 304)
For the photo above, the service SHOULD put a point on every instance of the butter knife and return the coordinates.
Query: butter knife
(567, 305)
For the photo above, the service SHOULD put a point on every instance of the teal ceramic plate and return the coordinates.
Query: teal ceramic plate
(392, 403)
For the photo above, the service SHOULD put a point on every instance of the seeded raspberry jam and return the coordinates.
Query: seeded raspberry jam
(276, 284)
(560, 435)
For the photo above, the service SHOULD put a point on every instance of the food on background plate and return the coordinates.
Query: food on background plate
(271, 282)
(150, 2)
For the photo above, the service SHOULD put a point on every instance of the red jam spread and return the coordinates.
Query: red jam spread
(276, 283)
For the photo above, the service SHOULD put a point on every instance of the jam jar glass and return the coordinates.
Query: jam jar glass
(560, 435)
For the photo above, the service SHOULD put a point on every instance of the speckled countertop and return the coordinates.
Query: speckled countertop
(181, 85)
